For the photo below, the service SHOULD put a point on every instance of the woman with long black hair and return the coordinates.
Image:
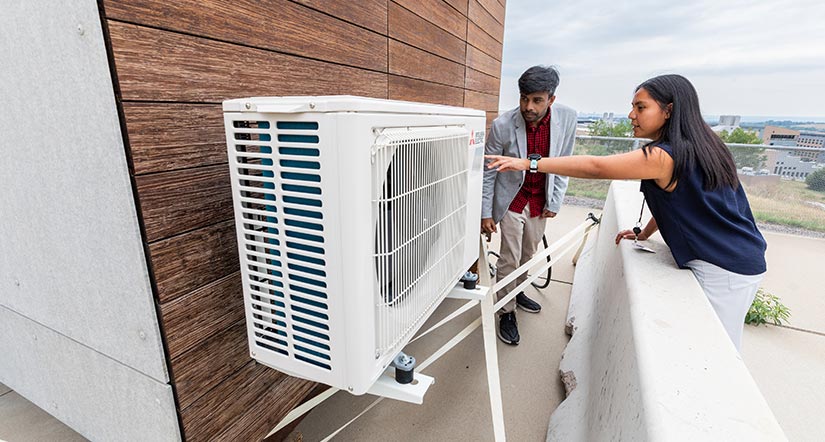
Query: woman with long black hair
(689, 182)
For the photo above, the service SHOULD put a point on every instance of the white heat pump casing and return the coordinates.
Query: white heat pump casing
(352, 133)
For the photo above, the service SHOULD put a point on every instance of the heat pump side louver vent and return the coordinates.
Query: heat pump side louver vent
(283, 236)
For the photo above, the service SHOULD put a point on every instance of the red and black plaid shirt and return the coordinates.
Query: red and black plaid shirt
(533, 190)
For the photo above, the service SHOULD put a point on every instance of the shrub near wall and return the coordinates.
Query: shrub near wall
(816, 180)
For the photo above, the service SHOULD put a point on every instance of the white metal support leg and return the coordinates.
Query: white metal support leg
(488, 327)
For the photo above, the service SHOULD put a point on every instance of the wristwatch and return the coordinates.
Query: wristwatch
(534, 162)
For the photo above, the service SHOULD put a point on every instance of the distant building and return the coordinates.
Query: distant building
(779, 136)
(811, 139)
(727, 123)
(782, 163)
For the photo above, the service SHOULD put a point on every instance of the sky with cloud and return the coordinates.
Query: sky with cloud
(744, 57)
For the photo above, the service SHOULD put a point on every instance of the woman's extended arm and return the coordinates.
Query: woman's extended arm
(656, 165)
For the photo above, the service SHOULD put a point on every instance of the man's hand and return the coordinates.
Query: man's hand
(488, 227)
(548, 214)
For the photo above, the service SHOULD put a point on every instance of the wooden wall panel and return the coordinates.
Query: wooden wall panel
(478, 100)
(371, 14)
(199, 370)
(408, 61)
(271, 24)
(276, 401)
(486, 21)
(458, 5)
(483, 41)
(178, 201)
(482, 62)
(196, 316)
(251, 396)
(495, 9)
(408, 89)
(481, 82)
(175, 62)
(440, 14)
(414, 30)
(186, 262)
(155, 65)
(166, 137)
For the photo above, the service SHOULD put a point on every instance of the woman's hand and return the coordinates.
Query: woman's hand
(628, 234)
(504, 164)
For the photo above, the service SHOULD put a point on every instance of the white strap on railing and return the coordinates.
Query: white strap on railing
(566, 241)
(449, 318)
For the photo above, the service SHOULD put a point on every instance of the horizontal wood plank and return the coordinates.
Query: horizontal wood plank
(480, 16)
(272, 24)
(177, 201)
(482, 41)
(268, 409)
(194, 317)
(371, 14)
(478, 100)
(244, 407)
(495, 9)
(212, 362)
(408, 61)
(415, 31)
(459, 5)
(408, 89)
(166, 137)
(482, 62)
(156, 65)
(438, 13)
(481, 82)
(187, 262)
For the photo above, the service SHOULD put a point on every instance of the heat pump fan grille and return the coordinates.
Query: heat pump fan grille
(283, 259)
(420, 197)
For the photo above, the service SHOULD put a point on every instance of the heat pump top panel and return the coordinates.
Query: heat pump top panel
(341, 103)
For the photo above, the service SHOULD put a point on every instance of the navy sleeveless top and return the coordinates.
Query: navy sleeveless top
(716, 226)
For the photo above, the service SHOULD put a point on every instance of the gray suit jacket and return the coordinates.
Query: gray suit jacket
(508, 136)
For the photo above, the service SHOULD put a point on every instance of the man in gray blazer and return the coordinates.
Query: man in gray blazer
(521, 202)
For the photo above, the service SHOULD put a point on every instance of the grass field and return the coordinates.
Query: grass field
(787, 203)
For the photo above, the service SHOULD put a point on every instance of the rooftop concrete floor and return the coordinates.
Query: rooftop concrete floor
(787, 364)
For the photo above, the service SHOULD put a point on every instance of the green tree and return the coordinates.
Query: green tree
(745, 156)
(602, 128)
(816, 180)
(740, 136)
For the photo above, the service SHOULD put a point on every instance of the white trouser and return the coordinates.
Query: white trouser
(520, 236)
(730, 294)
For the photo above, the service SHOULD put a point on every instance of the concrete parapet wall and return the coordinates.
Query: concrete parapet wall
(649, 360)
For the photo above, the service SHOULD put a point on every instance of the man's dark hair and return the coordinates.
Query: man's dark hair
(539, 79)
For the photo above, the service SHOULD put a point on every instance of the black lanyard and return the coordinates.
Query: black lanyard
(638, 229)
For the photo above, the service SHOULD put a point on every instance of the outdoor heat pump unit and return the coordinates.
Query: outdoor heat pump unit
(355, 217)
